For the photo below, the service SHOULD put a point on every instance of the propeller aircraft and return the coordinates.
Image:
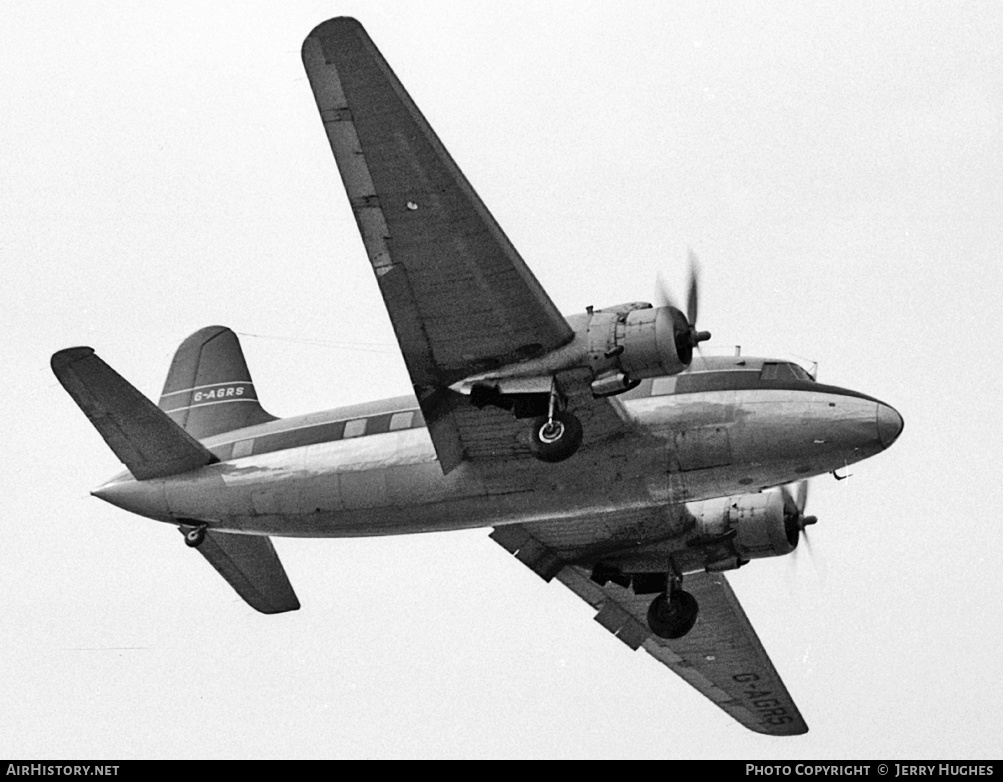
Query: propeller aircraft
(598, 448)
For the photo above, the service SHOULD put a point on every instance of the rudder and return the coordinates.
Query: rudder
(209, 389)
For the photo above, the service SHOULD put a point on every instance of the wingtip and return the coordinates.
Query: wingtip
(67, 356)
(338, 24)
(790, 729)
(272, 609)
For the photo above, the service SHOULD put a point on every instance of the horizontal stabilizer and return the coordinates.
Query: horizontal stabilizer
(142, 436)
(251, 566)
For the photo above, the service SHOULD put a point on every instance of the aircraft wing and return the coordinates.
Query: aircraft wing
(460, 297)
(721, 656)
(250, 565)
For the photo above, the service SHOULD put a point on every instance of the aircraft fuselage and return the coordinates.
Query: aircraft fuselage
(372, 470)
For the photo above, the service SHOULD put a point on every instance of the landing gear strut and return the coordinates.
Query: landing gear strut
(557, 435)
(674, 612)
(194, 535)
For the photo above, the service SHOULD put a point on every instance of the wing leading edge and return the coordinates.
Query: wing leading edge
(460, 297)
(721, 656)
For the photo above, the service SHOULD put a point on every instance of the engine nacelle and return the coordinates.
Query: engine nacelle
(634, 341)
(753, 525)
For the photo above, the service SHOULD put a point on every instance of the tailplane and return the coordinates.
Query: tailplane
(142, 437)
(209, 389)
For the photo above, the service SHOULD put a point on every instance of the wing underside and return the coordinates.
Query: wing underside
(460, 297)
(721, 656)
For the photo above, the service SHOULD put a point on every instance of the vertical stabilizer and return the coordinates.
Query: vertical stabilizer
(209, 389)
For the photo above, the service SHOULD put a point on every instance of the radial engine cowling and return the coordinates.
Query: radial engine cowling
(635, 341)
(755, 524)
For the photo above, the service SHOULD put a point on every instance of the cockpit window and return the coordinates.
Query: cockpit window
(770, 372)
(783, 371)
(800, 373)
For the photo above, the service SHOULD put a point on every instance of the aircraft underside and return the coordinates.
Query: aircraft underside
(600, 449)
(391, 483)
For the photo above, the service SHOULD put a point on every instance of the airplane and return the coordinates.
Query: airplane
(600, 449)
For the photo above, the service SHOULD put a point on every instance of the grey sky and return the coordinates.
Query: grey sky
(836, 166)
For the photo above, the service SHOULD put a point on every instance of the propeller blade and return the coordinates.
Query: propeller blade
(662, 290)
(794, 515)
(795, 505)
(802, 496)
(693, 295)
(790, 506)
(687, 338)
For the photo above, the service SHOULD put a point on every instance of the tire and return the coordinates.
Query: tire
(555, 443)
(673, 617)
(194, 537)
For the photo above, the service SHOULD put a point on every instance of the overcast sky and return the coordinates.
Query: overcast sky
(836, 166)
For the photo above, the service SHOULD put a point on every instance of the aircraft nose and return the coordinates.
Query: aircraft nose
(890, 425)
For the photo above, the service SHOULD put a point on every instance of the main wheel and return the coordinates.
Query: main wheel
(673, 617)
(555, 440)
(195, 536)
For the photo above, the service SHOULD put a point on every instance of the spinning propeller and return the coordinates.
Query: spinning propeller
(795, 519)
(687, 336)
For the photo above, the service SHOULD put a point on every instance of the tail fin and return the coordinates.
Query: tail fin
(209, 389)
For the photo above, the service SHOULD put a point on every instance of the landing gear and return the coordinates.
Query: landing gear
(557, 435)
(674, 612)
(194, 536)
(555, 439)
(672, 615)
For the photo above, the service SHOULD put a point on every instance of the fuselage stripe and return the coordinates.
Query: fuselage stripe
(314, 425)
(268, 440)
(206, 404)
(729, 380)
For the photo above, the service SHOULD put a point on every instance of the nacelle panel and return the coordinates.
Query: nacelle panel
(754, 525)
(638, 343)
